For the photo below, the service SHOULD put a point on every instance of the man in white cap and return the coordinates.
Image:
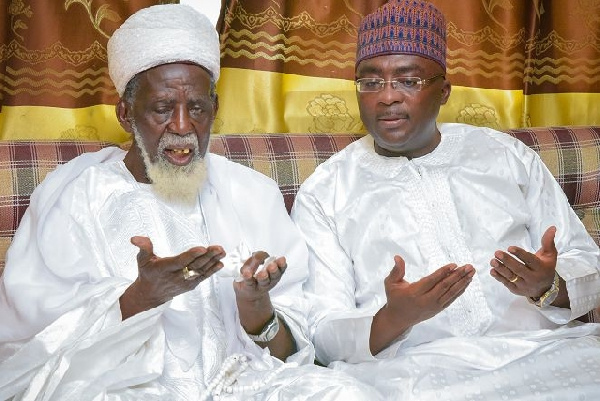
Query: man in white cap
(112, 289)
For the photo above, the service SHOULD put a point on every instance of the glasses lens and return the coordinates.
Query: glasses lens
(369, 84)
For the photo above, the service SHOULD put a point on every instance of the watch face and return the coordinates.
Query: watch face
(272, 330)
(269, 331)
(549, 296)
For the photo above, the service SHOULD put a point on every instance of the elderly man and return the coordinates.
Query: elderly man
(489, 264)
(112, 290)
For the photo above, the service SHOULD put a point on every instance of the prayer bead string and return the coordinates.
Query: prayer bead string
(231, 369)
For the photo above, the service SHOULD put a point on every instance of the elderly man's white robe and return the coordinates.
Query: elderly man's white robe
(478, 192)
(61, 332)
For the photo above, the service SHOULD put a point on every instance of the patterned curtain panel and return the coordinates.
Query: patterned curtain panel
(288, 65)
(54, 79)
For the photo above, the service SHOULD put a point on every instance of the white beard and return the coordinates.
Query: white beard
(179, 184)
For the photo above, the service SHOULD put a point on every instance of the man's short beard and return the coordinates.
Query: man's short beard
(180, 184)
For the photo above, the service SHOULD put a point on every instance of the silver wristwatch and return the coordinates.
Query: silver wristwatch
(269, 331)
(549, 296)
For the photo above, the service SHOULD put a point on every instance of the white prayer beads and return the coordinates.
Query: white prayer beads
(231, 369)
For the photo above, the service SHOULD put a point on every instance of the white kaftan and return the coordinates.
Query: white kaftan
(61, 333)
(479, 191)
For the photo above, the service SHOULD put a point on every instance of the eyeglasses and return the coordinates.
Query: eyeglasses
(409, 85)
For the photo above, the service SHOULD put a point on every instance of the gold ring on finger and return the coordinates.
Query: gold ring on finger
(514, 279)
(189, 274)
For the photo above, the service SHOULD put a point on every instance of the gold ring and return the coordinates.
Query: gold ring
(189, 274)
(514, 279)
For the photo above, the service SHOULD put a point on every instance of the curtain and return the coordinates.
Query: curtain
(54, 81)
(288, 66)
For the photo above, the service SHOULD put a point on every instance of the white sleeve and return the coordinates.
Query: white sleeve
(58, 312)
(578, 255)
(339, 330)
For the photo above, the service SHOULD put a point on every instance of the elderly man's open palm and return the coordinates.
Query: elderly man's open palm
(161, 279)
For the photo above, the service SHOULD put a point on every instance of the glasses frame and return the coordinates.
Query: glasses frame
(396, 83)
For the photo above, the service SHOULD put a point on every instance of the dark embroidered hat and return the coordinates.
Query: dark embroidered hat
(403, 27)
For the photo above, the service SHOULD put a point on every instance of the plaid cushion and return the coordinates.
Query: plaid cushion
(571, 153)
(288, 159)
(23, 165)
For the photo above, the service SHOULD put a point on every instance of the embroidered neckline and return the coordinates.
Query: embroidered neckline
(390, 167)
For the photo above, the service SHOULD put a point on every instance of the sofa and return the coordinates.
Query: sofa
(571, 153)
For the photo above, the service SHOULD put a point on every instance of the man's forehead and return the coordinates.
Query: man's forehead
(177, 66)
(176, 74)
(394, 63)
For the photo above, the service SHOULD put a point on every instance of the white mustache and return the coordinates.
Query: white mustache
(170, 140)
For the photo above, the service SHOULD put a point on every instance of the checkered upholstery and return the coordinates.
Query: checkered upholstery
(23, 164)
(573, 157)
(288, 159)
(571, 153)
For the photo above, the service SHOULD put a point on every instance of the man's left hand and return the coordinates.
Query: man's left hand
(525, 273)
(253, 286)
(254, 303)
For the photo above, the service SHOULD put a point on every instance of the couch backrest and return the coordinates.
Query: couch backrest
(571, 153)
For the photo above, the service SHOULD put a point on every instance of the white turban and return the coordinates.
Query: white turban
(162, 34)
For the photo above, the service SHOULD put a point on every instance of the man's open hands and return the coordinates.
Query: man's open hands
(411, 303)
(423, 299)
(525, 273)
(161, 279)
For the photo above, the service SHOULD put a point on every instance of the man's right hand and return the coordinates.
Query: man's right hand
(161, 279)
(411, 303)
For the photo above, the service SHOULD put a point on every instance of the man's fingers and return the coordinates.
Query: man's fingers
(548, 244)
(456, 284)
(200, 258)
(251, 266)
(516, 260)
(273, 268)
(431, 281)
(146, 249)
(398, 271)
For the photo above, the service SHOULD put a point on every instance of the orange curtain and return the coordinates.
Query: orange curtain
(288, 66)
(54, 79)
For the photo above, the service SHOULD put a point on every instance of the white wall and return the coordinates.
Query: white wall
(210, 8)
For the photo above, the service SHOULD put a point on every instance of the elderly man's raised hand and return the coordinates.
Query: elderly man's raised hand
(161, 279)
(525, 273)
(255, 284)
(252, 289)
(254, 302)
(411, 303)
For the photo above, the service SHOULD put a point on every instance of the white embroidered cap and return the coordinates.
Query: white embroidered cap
(161, 34)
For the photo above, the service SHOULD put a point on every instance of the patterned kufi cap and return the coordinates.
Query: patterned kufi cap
(161, 34)
(403, 27)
